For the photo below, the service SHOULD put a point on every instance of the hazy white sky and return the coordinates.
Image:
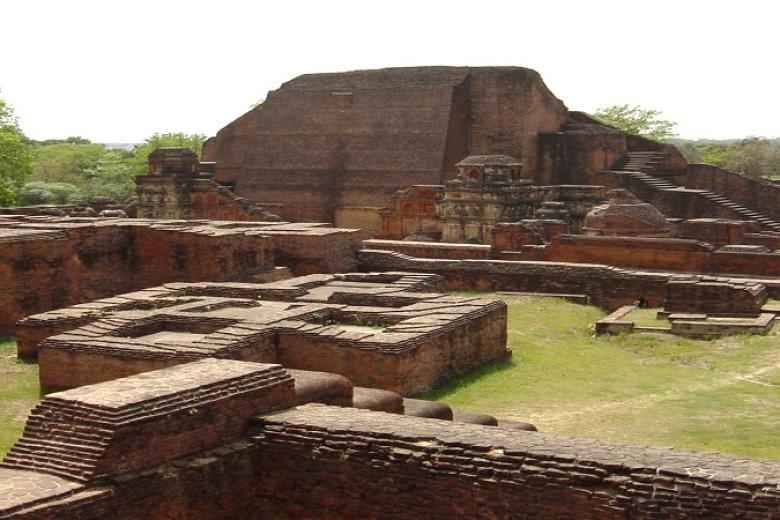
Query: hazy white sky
(117, 71)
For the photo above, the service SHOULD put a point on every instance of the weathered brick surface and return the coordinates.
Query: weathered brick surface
(51, 262)
(672, 254)
(754, 192)
(185, 197)
(141, 421)
(756, 258)
(386, 466)
(325, 141)
(378, 330)
(316, 461)
(715, 297)
(411, 210)
(607, 286)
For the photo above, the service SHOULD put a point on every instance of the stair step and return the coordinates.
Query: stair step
(64, 470)
(45, 443)
(61, 455)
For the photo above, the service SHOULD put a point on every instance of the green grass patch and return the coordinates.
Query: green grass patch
(659, 389)
(19, 392)
(647, 318)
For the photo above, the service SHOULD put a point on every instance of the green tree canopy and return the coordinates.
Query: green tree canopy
(638, 121)
(37, 192)
(93, 170)
(74, 139)
(15, 156)
(65, 162)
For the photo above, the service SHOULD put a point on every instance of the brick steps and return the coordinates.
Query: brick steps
(53, 453)
(640, 166)
(73, 471)
(68, 434)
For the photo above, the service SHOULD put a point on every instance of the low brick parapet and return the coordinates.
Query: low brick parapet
(401, 467)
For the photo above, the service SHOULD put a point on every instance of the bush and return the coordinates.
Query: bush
(49, 193)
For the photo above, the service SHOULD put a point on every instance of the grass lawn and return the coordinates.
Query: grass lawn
(659, 389)
(19, 392)
(647, 318)
(645, 388)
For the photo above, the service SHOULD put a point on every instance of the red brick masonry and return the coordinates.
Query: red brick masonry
(51, 262)
(378, 330)
(317, 461)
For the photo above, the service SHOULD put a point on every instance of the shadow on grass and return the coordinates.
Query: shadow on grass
(468, 379)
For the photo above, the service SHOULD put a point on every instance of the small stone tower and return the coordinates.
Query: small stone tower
(487, 190)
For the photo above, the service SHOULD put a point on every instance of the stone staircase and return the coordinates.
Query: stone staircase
(641, 167)
(52, 443)
(88, 432)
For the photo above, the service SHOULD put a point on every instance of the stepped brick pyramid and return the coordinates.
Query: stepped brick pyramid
(378, 330)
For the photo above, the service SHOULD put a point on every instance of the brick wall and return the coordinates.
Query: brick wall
(145, 420)
(48, 262)
(758, 194)
(317, 461)
(180, 196)
(607, 286)
(431, 249)
(671, 254)
(715, 297)
(55, 266)
(681, 255)
(327, 141)
(356, 464)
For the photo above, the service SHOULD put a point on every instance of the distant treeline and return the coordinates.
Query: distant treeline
(74, 169)
(755, 156)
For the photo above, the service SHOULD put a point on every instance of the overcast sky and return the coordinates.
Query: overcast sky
(120, 71)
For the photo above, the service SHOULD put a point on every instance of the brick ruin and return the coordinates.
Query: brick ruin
(337, 147)
(380, 150)
(197, 378)
(377, 330)
(221, 438)
(330, 145)
(178, 186)
(191, 367)
(52, 262)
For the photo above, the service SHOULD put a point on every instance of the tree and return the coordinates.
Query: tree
(754, 156)
(92, 169)
(15, 156)
(74, 139)
(638, 121)
(113, 176)
(66, 162)
(37, 192)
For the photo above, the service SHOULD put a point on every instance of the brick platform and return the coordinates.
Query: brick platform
(377, 330)
(351, 463)
(51, 262)
(144, 420)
